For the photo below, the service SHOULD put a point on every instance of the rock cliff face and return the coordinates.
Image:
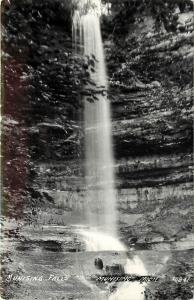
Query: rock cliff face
(150, 79)
(151, 94)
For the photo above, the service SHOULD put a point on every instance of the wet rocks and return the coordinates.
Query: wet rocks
(115, 269)
(98, 263)
(50, 245)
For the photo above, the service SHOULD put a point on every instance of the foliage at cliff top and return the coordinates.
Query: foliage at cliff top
(164, 12)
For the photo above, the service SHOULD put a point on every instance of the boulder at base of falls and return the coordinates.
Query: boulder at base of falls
(117, 269)
(98, 263)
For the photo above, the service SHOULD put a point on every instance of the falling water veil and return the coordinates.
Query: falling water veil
(101, 211)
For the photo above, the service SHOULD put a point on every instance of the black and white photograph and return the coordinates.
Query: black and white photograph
(97, 150)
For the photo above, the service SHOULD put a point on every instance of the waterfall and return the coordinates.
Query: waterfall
(99, 161)
(101, 200)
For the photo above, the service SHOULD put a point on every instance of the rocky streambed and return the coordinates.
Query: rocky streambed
(50, 262)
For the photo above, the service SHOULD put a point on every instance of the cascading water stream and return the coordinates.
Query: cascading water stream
(97, 241)
(99, 162)
(101, 200)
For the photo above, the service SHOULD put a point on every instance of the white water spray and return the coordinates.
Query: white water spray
(97, 241)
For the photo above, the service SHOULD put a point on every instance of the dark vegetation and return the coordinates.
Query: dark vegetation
(127, 12)
(43, 87)
(176, 279)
